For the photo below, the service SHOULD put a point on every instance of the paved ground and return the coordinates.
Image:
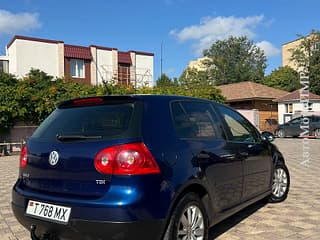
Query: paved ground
(296, 218)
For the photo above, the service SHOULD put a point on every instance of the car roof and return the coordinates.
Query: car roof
(132, 97)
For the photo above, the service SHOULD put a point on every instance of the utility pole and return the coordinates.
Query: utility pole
(161, 59)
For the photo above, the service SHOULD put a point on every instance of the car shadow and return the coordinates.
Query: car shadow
(233, 220)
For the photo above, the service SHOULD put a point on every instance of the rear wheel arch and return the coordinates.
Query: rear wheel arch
(194, 188)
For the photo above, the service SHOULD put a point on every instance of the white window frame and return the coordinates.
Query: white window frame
(289, 106)
(4, 66)
(79, 68)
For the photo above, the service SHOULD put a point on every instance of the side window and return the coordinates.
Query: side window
(315, 119)
(195, 120)
(239, 127)
(295, 121)
(77, 68)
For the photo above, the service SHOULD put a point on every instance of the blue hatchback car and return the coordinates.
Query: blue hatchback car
(143, 167)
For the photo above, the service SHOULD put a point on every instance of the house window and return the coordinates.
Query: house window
(77, 68)
(307, 106)
(289, 108)
(4, 66)
(123, 74)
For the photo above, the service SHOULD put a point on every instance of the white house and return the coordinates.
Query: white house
(290, 105)
(91, 65)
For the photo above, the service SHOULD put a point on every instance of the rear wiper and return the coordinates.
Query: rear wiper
(75, 137)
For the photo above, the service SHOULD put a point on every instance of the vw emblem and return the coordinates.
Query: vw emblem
(53, 158)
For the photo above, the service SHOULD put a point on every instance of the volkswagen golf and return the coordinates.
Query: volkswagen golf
(143, 167)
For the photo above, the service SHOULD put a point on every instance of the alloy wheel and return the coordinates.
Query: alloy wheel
(280, 182)
(280, 133)
(191, 224)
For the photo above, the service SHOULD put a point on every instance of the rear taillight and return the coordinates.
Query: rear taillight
(24, 157)
(126, 159)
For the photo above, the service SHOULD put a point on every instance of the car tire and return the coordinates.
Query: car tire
(281, 133)
(316, 132)
(280, 183)
(189, 220)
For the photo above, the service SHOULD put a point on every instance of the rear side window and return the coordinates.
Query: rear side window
(194, 120)
(240, 129)
(112, 121)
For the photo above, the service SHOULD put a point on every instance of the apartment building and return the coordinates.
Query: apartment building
(91, 65)
(199, 64)
(287, 53)
(287, 49)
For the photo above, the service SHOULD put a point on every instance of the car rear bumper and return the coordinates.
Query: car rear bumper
(83, 229)
(95, 219)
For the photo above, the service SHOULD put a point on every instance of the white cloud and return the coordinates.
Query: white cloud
(11, 23)
(218, 28)
(268, 48)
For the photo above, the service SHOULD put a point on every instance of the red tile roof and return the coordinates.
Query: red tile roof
(124, 57)
(295, 96)
(72, 51)
(248, 91)
(103, 48)
(81, 52)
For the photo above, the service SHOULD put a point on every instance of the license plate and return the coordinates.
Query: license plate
(48, 211)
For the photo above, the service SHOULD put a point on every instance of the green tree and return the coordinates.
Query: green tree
(284, 78)
(235, 59)
(307, 58)
(211, 93)
(38, 93)
(164, 81)
(9, 107)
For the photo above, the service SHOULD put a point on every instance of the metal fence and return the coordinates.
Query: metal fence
(12, 142)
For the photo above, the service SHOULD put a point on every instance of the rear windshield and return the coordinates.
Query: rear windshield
(113, 121)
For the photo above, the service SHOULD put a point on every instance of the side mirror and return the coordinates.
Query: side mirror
(267, 136)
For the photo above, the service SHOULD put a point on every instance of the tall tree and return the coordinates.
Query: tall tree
(284, 78)
(195, 83)
(235, 59)
(164, 81)
(9, 107)
(307, 58)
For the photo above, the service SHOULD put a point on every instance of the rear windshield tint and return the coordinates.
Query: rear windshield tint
(112, 121)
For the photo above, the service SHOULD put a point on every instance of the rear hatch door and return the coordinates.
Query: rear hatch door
(61, 152)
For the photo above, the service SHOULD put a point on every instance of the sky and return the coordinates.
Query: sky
(184, 28)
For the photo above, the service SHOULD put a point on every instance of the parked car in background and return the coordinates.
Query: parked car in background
(143, 167)
(294, 128)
